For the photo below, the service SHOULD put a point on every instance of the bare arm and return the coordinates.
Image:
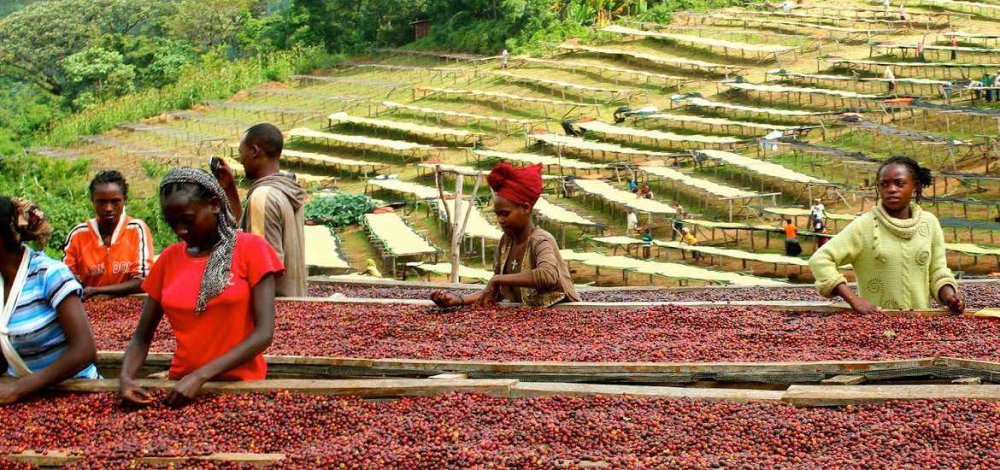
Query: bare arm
(133, 286)
(228, 182)
(138, 349)
(81, 353)
(856, 302)
(262, 306)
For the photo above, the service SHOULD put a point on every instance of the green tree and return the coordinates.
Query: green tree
(95, 74)
(35, 40)
(211, 23)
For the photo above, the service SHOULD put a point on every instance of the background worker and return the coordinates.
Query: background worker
(897, 249)
(689, 239)
(275, 204)
(528, 267)
(112, 253)
(632, 223)
(792, 247)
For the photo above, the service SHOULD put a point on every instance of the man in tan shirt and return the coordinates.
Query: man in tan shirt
(275, 204)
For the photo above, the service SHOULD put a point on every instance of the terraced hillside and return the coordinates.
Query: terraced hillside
(758, 111)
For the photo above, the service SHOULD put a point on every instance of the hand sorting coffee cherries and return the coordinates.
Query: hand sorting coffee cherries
(659, 334)
(470, 430)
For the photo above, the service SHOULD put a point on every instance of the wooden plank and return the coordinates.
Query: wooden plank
(62, 458)
(818, 395)
(353, 387)
(543, 389)
(436, 366)
(844, 380)
(380, 282)
(778, 305)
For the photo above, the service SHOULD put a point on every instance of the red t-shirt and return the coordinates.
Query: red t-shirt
(175, 281)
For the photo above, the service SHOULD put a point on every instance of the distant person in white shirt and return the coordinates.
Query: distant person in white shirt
(816, 215)
(503, 58)
(633, 223)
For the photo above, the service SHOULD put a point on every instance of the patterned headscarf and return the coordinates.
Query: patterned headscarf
(28, 223)
(216, 277)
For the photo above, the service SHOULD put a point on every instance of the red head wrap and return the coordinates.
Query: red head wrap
(518, 185)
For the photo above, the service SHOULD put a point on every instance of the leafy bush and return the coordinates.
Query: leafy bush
(340, 209)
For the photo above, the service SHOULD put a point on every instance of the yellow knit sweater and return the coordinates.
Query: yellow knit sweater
(899, 264)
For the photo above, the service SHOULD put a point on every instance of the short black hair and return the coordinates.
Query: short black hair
(922, 175)
(788, 221)
(109, 177)
(266, 137)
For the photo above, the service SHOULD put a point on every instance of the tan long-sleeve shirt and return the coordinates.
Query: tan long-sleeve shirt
(547, 267)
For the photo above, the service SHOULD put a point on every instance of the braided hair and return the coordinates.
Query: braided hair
(921, 175)
(220, 262)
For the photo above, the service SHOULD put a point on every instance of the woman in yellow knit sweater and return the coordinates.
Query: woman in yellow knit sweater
(897, 249)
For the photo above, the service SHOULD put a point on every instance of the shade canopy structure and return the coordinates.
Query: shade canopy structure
(614, 94)
(319, 159)
(680, 140)
(595, 148)
(323, 248)
(533, 158)
(985, 9)
(848, 33)
(501, 97)
(772, 50)
(477, 226)
(972, 249)
(558, 214)
(398, 147)
(799, 212)
(459, 135)
(663, 60)
(763, 88)
(797, 114)
(464, 272)
(418, 191)
(721, 122)
(761, 167)
(771, 258)
(668, 270)
(669, 80)
(395, 236)
(361, 81)
(626, 199)
(710, 187)
(445, 113)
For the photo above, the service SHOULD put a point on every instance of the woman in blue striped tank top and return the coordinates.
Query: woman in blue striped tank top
(45, 336)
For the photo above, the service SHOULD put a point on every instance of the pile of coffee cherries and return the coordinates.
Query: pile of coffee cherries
(656, 334)
(470, 430)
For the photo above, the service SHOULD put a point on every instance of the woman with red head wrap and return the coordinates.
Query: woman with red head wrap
(527, 267)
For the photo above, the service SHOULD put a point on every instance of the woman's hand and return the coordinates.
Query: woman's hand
(184, 392)
(953, 300)
(864, 307)
(490, 295)
(9, 393)
(134, 394)
(446, 299)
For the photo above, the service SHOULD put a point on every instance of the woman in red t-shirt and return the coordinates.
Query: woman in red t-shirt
(216, 288)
